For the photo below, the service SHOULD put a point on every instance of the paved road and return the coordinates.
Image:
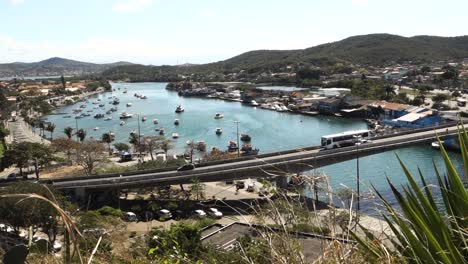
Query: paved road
(215, 172)
(20, 131)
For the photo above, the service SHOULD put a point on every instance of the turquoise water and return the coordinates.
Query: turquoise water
(270, 130)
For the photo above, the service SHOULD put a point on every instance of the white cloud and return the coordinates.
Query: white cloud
(208, 13)
(16, 2)
(360, 2)
(129, 5)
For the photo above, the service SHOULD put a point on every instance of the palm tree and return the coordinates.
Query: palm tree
(389, 90)
(50, 127)
(108, 138)
(81, 134)
(68, 131)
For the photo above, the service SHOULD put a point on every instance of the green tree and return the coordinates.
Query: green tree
(51, 127)
(108, 138)
(4, 132)
(179, 242)
(41, 155)
(69, 132)
(89, 153)
(18, 154)
(121, 147)
(81, 134)
(62, 80)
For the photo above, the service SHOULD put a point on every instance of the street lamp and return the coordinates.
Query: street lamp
(357, 170)
(237, 132)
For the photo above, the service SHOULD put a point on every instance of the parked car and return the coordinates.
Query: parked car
(186, 167)
(250, 187)
(199, 213)
(214, 213)
(130, 217)
(164, 215)
(180, 214)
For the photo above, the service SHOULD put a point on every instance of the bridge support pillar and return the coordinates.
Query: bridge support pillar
(281, 182)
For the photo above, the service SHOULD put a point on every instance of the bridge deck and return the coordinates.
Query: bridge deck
(256, 167)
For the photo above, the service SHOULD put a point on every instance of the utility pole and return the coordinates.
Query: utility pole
(139, 137)
(76, 126)
(237, 132)
(357, 173)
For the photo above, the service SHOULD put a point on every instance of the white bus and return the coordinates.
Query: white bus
(345, 139)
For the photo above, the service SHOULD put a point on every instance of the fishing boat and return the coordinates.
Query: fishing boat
(129, 104)
(232, 146)
(179, 109)
(175, 135)
(122, 123)
(219, 131)
(176, 122)
(143, 119)
(155, 121)
(125, 115)
(245, 137)
(247, 150)
(218, 116)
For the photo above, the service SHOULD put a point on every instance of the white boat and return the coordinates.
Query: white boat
(143, 97)
(122, 123)
(155, 121)
(175, 135)
(179, 109)
(125, 115)
(285, 108)
(125, 91)
(219, 131)
(188, 142)
(143, 119)
(253, 103)
(218, 116)
(176, 122)
(108, 118)
(96, 128)
(265, 106)
(129, 104)
(435, 145)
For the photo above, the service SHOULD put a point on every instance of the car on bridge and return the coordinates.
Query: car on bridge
(186, 167)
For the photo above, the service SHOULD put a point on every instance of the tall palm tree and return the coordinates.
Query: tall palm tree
(69, 132)
(108, 138)
(81, 134)
(51, 127)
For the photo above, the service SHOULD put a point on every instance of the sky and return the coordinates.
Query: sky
(199, 31)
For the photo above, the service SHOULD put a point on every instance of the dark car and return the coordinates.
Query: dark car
(180, 214)
(186, 167)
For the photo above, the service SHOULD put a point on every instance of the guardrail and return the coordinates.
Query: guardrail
(257, 157)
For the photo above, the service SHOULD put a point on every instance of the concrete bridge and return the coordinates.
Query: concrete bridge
(260, 166)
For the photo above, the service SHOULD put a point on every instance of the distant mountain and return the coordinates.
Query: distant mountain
(55, 66)
(365, 50)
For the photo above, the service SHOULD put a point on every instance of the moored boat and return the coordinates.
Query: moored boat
(125, 115)
(253, 103)
(218, 116)
(108, 118)
(175, 135)
(176, 122)
(219, 131)
(98, 116)
(129, 104)
(143, 119)
(155, 121)
(161, 131)
(96, 128)
(201, 145)
(179, 109)
(232, 146)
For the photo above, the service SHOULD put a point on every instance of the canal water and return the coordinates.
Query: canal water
(270, 131)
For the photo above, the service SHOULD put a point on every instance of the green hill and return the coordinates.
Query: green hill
(365, 50)
(54, 66)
